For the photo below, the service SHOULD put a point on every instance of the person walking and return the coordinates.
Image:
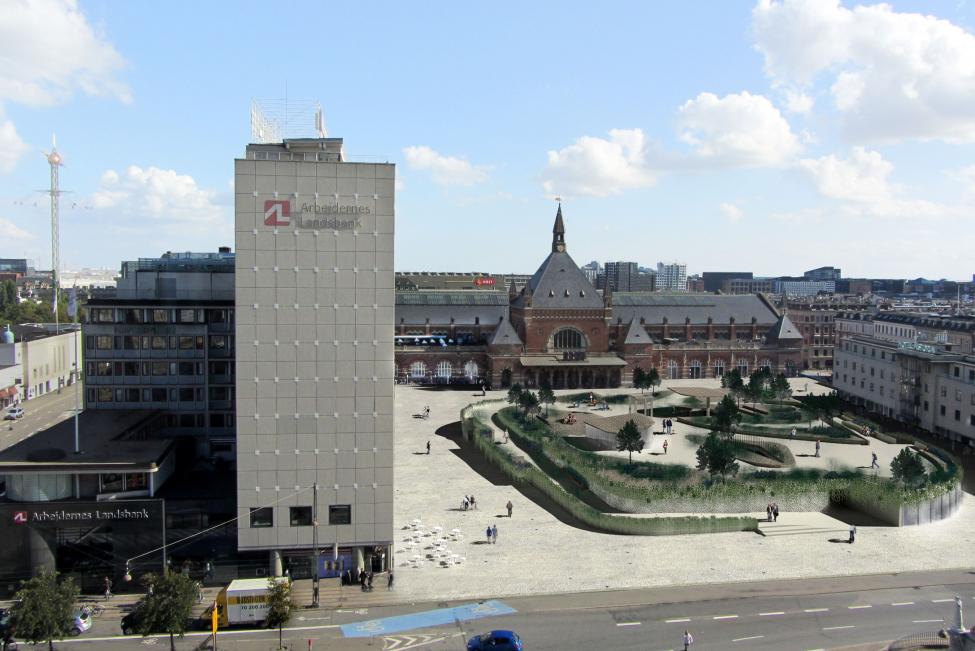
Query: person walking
(775, 511)
(792, 434)
(199, 592)
(494, 533)
(389, 580)
(665, 446)
(510, 507)
(818, 445)
(108, 587)
(428, 447)
(853, 534)
(687, 639)
(488, 534)
(473, 503)
(768, 511)
(873, 461)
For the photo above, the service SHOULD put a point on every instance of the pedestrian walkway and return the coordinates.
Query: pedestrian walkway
(332, 595)
(798, 524)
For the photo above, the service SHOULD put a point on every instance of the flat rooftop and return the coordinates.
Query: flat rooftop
(111, 441)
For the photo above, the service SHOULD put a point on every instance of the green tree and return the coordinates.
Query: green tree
(653, 380)
(629, 439)
(44, 609)
(169, 608)
(528, 401)
(725, 415)
(717, 455)
(546, 396)
(279, 606)
(514, 394)
(756, 385)
(908, 468)
(8, 294)
(733, 381)
(780, 387)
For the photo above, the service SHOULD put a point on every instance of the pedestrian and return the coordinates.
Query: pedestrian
(665, 446)
(775, 511)
(465, 504)
(199, 592)
(505, 435)
(369, 581)
(687, 639)
(208, 571)
(873, 462)
(792, 434)
(473, 503)
(108, 587)
(510, 507)
(488, 534)
(428, 447)
(853, 534)
(389, 580)
(494, 533)
(818, 444)
(768, 512)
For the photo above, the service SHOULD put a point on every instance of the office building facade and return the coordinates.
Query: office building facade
(314, 300)
(672, 277)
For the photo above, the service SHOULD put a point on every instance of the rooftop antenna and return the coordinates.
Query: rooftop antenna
(55, 161)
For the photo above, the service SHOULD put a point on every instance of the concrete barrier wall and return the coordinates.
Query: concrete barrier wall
(932, 510)
(812, 501)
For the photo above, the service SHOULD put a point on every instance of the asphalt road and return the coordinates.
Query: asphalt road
(782, 616)
(41, 413)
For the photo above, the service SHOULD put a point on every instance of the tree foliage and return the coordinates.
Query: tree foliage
(653, 379)
(44, 609)
(514, 394)
(725, 415)
(780, 387)
(640, 379)
(734, 383)
(15, 311)
(717, 455)
(169, 608)
(279, 606)
(528, 402)
(629, 439)
(908, 468)
(545, 395)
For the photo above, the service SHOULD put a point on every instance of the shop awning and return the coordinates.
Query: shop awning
(553, 362)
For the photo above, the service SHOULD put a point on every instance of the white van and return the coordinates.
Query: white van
(14, 413)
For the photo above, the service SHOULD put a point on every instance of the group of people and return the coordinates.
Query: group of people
(772, 512)
(668, 426)
(468, 503)
(570, 419)
(492, 533)
(365, 580)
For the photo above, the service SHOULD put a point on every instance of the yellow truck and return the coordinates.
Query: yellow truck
(244, 601)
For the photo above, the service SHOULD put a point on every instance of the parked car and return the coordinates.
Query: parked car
(14, 413)
(130, 623)
(81, 623)
(495, 641)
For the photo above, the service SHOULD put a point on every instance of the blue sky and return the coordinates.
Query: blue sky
(770, 136)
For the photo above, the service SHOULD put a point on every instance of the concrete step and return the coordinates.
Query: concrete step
(803, 527)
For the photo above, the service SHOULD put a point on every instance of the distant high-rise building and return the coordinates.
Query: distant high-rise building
(823, 273)
(714, 280)
(592, 271)
(618, 275)
(672, 277)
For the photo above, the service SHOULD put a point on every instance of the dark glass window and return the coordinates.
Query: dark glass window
(340, 514)
(103, 342)
(567, 339)
(300, 516)
(262, 517)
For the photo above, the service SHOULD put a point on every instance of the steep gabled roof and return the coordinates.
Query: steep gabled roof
(504, 335)
(783, 330)
(560, 284)
(635, 334)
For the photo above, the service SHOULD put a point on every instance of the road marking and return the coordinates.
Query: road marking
(903, 603)
(941, 601)
(926, 621)
(777, 612)
(725, 617)
(627, 623)
(816, 610)
(742, 639)
(858, 607)
(675, 621)
(837, 628)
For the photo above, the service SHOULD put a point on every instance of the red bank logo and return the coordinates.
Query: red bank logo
(20, 517)
(277, 212)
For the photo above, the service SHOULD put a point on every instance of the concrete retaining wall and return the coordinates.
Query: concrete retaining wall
(933, 510)
(812, 501)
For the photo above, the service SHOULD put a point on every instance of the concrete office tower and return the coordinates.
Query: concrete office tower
(314, 304)
(672, 276)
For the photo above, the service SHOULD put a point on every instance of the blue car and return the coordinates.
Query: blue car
(495, 641)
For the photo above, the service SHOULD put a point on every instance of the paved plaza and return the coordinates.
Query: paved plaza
(537, 553)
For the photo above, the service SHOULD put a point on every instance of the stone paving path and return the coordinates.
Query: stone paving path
(537, 553)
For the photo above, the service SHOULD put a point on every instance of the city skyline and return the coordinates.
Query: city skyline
(736, 135)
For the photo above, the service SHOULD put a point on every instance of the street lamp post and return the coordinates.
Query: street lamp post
(77, 404)
(314, 521)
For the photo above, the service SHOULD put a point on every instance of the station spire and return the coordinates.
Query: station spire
(558, 232)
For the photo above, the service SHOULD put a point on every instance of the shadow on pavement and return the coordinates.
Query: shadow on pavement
(849, 516)
(467, 453)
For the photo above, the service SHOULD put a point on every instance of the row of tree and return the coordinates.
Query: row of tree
(761, 385)
(13, 310)
(528, 401)
(45, 607)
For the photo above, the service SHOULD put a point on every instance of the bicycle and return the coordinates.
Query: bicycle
(94, 608)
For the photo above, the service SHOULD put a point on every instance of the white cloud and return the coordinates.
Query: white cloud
(11, 231)
(445, 170)
(737, 130)
(732, 212)
(861, 184)
(11, 146)
(599, 166)
(48, 51)
(170, 200)
(891, 75)
(797, 101)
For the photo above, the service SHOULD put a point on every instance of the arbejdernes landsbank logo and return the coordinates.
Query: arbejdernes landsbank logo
(277, 212)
